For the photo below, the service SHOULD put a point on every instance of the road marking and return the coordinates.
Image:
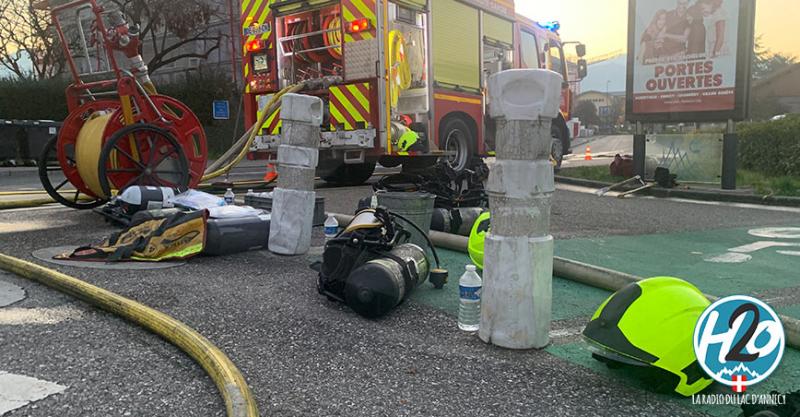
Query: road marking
(729, 258)
(25, 226)
(19, 390)
(51, 206)
(49, 315)
(556, 334)
(585, 190)
(588, 190)
(776, 232)
(735, 205)
(10, 293)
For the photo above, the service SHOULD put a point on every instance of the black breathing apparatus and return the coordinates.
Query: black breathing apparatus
(372, 267)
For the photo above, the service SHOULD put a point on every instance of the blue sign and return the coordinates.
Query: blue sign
(739, 341)
(222, 110)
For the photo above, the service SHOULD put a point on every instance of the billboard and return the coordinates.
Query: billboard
(689, 60)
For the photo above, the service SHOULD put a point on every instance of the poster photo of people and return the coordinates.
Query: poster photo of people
(684, 55)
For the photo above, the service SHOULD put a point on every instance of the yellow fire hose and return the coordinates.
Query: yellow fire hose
(232, 386)
(252, 133)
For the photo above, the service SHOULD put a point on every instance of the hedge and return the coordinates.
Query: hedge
(45, 100)
(32, 99)
(771, 147)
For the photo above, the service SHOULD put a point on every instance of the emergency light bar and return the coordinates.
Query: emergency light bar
(358, 25)
(553, 26)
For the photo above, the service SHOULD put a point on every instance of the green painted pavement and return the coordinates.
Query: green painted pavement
(570, 300)
(681, 255)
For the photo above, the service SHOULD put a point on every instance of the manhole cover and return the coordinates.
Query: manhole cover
(47, 255)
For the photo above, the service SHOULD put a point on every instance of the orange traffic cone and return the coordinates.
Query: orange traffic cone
(271, 174)
(588, 156)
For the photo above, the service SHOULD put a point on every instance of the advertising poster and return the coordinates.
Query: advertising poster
(686, 57)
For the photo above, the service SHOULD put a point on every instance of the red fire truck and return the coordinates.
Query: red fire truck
(404, 80)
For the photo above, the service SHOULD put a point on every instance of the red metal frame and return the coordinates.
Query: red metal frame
(165, 112)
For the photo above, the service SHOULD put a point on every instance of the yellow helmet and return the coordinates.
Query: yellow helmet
(476, 238)
(408, 139)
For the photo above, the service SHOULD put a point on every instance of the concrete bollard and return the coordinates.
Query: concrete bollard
(516, 299)
(298, 155)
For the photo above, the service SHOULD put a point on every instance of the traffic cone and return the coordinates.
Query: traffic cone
(588, 156)
(271, 174)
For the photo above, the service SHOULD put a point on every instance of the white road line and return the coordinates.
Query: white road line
(26, 316)
(51, 206)
(587, 190)
(584, 190)
(19, 390)
(10, 293)
(564, 333)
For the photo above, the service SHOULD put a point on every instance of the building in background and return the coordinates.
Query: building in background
(781, 88)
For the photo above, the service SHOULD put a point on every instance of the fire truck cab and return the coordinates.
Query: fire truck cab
(403, 81)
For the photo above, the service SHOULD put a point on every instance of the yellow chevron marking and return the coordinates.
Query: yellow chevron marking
(348, 106)
(359, 96)
(245, 4)
(340, 119)
(365, 11)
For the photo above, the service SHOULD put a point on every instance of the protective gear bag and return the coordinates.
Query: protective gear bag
(179, 236)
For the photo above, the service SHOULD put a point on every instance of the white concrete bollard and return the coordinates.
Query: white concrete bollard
(293, 200)
(516, 299)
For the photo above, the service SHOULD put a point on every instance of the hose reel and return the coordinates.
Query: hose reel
(99, 153)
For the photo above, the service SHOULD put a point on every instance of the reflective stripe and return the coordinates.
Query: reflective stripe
(457, 99)
(349, 104)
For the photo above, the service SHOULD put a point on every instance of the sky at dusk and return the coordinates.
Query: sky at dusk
(602, 24)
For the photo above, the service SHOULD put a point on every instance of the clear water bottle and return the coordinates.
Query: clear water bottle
(331, 227)
(250, 192)
(469, 310)
(230, 197)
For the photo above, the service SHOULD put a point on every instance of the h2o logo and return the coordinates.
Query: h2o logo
(739, 341)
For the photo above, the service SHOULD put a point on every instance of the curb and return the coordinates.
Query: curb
(726, 198)
(695, 194)
(19, 172)
(581, 182)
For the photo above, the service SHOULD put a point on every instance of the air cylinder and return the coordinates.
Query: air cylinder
(376, 287)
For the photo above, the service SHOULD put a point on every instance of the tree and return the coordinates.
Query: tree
(765, 62)
(175, 29)
(586, 111)
(29, 46)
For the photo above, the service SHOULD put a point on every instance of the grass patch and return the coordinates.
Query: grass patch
(762, 184)
(594, 173)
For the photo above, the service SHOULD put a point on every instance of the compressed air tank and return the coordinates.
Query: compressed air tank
(378, 286)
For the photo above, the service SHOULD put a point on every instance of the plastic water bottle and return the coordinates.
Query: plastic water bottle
(250, 193)
(469, 310)
(331, 227)
(230, 197)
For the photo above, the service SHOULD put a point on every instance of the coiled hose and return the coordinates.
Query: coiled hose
(239, 401)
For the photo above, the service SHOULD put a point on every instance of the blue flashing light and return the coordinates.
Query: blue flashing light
(553, 26)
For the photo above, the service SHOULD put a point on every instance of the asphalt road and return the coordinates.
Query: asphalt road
(302, 354)
(603, 149)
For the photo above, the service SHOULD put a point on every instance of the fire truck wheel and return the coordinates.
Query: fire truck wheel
(457, 137)
(354, 174)
(557, 149)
